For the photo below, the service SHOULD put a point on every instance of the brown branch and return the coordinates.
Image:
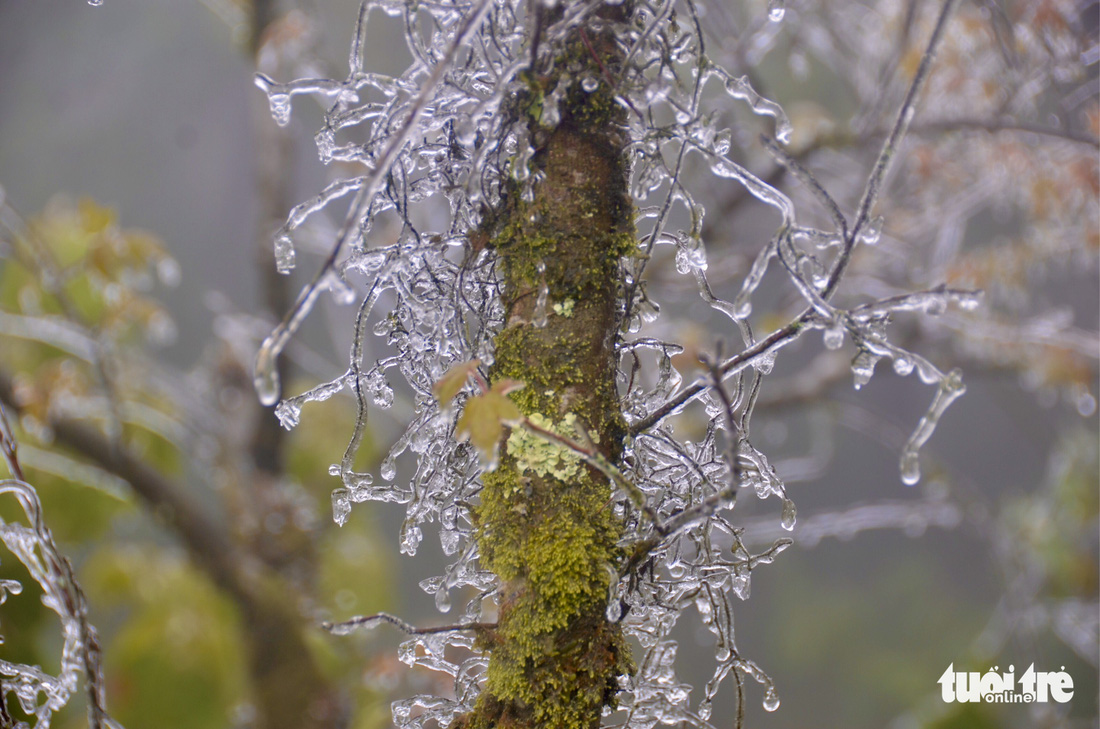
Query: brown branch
(291, 692)
(204, 538)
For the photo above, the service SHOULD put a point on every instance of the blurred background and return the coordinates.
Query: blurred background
(136, 129)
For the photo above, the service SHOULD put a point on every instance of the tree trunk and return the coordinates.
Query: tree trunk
(546, 526)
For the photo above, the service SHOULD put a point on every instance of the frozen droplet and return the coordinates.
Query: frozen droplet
(341, 506)
(442, 600)
(776, 10)
(410, 539)
(95, 3)
(590, 84)
(910, 467)
(326, 144)
(863, 368)
(872, 231)
(935, 305)
(284, 254)
(741, 583)
(450, 540)
(521, 163)
(790, 515)
(690, 259)
(764, 362)
(551, 111)
(280, 108)
(970, 300)
(380, 391)
(722, 142)
(833, 337)
(903, 366)
(288, 414)
(771, 699)
(388, 469)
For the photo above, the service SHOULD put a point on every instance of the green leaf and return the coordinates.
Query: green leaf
(483, 420)
(454, 380)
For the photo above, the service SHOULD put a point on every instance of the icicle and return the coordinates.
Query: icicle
(790, 515)
(284, 254)
(771, 698)
(951, 387)
(863, 367)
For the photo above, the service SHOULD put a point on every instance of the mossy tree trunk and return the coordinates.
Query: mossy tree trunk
(547, 529)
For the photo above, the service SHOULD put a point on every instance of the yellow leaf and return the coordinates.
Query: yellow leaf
(94, 217)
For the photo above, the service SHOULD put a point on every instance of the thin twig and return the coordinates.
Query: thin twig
(9, 446)
(369, 621)
(889, 148)
(806, 178)
(278, 338)
(727, 411)
(789, 333)
(594, 458)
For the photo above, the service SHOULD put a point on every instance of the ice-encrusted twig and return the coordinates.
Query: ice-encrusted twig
(789, 333)
(367, 622)
(35, 548)
(266, 378)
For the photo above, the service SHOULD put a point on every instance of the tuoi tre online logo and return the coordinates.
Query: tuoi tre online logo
(992, 687)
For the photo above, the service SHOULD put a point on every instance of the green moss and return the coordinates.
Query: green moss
(556, 654)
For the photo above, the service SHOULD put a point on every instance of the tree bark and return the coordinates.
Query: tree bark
(547, 528)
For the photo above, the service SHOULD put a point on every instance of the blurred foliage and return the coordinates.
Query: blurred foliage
(176, 654)
(173, 642)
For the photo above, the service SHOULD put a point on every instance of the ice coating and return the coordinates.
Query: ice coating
(441, 148)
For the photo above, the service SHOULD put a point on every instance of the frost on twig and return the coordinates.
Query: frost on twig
(440, 148)
(39, 694)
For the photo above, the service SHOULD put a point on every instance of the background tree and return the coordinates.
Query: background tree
(507, 142)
